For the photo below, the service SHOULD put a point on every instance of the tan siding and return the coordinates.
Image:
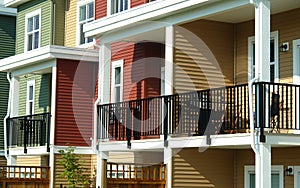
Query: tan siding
(197, 57)
(85, 161)
(211, 168)
(289, 30)
(70, 23)
(121, 157)
(32, 161)
(3, 161)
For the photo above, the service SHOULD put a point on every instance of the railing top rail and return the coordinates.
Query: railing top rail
(34, 115)
(141, 164)
(14, 166)
(278, 84)
(177, 94)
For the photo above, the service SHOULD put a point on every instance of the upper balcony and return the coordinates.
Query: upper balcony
(206, 112)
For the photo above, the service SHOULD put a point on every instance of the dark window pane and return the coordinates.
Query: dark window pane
(29, 42)
(82, 39)
(82, 13)
(36, 40)
(272, 73)
(30, 24)
(117, 94)
(30, 95)
(272, 51)
(37, 22)
(90, 10)
(117, 75)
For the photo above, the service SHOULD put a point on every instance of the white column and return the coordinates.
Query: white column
(12, 160)
(168, 71)
(101, 169)
(15, 96)
(265, 165)
(168, 161)
(262, 40)
(104, 69)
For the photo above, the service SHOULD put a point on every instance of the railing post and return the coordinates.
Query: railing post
(128, 125)
(165, 122)
(48, 131)
(25, 134)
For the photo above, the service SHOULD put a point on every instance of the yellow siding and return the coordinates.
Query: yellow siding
(70, 23)
(211, 168)
(87, 162)
(196, 62)
(3, 161)
(32, 161)
(289, 30)
(59, 23)
(121, 157)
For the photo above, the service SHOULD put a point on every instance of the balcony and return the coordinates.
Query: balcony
(206, 112)
(152, 175)
(29, 131)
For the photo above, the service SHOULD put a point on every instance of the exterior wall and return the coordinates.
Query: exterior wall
(196, 63)
(141, 71)
(211, 168)
(280, 156)
(289, 30)
(70, 24)
(46, 21)
(42, 93)
(75, 102)
(2, 161)
(59, 34)
(7, 43)
(32, 161)
(86, 161)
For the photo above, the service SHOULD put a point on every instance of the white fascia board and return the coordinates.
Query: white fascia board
(47, 53)
(14, 3)
(170, 14)
(140, 13)
(77, 149)
(8, 11)
(36, 67)
(289, 139)
(41, 150)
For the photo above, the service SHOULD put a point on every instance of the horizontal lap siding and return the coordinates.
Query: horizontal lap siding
(141, 75)
(74, 102)
(70, 23)
(210, 168)
(100, 9)
(288, 29)
(41, 96)
(59, 22)
(201, 47)
(4, 90)
(46, 29)
(135, 3)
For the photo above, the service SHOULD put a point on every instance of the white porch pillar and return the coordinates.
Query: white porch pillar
(262, 40)
(15, 96)
(262, 72)
(168, 71)
(101, 169)
(104, 70)
(168, 161)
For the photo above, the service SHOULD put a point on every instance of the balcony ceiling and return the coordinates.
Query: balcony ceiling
(246, 13)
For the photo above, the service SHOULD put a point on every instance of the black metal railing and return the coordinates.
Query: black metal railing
(29, 131)
(212, 111)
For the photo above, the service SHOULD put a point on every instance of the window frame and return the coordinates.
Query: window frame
(29, 84)
(26, 33)
(78, 24)
(109, 7)
(114, 65)
(250, 169)
(251, 40)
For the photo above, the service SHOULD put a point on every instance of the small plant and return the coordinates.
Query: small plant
(73, 171)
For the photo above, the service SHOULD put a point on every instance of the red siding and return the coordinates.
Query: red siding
(141, 71)
(74, 102)
(135, 3)
(100, 9)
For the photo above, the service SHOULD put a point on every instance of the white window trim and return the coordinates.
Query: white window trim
(29, 15)
(79, 4)
(109, 7)
(114, 64)
(275, 168)
(296, 171)
(30, 83)
(251, 40)
(296, 60)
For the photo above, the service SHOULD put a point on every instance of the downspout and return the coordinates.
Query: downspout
(7, 114)
(94, 144)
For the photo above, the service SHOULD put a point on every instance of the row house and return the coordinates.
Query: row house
(197, 93)
(7, 43)
(51, 92)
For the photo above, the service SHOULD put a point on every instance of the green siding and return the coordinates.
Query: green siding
(59, 22)
(7, 48)
(46, 29)
(42, 93)
(7, 36)
(4, 90)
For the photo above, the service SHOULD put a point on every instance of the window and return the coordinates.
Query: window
(276, 176)
(117, 81)
(86, 15)
(32, 30)
(30, 97)
(118, 5)
(274, 68)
